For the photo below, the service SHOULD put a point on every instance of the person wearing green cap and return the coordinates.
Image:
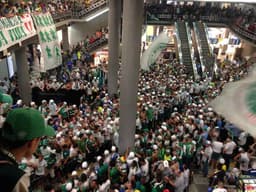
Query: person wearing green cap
(19, 137)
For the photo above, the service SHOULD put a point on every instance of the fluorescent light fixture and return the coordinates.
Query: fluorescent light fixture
(93, 16)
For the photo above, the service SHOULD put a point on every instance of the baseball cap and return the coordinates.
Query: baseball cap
(4, 98)
(25, 124)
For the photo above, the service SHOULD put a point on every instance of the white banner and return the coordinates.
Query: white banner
(47, 34)
(15, 29)
(237, 103)
(152, 53)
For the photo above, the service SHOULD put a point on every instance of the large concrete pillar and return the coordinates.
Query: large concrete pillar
(23, 75)
(131, 46)
(114, 20)
(65, 40)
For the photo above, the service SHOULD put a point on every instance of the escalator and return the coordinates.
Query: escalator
(184, 47)
(207, 59)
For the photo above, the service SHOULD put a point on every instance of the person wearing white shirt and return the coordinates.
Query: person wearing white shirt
(220, 188)
(42, 164)
(228, 150)
(206, 157)
(217, 149)
(31, 164)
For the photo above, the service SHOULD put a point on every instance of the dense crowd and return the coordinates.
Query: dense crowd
(9, 9)
(176, 133)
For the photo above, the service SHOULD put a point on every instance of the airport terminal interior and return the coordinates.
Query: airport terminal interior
(143, 95)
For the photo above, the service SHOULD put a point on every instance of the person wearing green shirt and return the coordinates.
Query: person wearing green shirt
(188, 150)
(102, 174)
(115, 173)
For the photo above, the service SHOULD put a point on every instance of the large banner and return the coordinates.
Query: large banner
(152, 53)
(237, 103)
(48, 39)
(15, 29)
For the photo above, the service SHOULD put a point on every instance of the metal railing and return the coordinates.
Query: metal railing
(94, 7)
(96, 44)
(61, 16)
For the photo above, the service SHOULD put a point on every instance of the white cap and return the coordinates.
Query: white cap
(131, 155)
(166, 163)
(164, 127)
(106, 152)
(222, 161)
(74, 173)
(113, 148)
(32, 103)
(51, 101)
(166, 142)
(99, 158)
(159, 137)
(240, 149)
(19, 102)
(68, 186)
(173, 137)
(155, 147)
(84, 165)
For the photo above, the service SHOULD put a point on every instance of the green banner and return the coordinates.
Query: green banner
(15, 29)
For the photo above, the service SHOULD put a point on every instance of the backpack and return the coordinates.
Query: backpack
(10, 174)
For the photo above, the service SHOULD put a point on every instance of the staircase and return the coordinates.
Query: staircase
(206, 57)
(184, 47)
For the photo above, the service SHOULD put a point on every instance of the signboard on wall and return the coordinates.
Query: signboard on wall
(15, 29)
(50, 47)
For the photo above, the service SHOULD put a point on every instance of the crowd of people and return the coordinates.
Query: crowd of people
(9, 9)
(176, 133)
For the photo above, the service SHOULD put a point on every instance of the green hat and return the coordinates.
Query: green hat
(4, 98)
(25, 124)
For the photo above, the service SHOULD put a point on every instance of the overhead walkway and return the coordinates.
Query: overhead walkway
(207, 59)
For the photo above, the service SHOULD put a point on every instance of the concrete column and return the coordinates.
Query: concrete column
(65, 40)
(161, 28)
(23, 75)
(114, 21)
(155, 30)
(131, 44)
(227, 31)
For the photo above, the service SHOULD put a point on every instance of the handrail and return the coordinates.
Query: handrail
(96, 44)
(88, 10)
(164, 19)
(191, 49)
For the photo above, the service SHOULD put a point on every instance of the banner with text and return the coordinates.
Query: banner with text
(15, 29)
(48, 39)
